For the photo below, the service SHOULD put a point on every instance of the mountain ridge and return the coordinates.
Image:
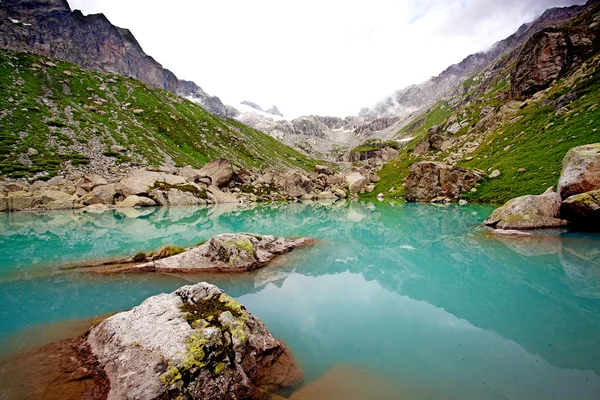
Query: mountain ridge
(51, 28)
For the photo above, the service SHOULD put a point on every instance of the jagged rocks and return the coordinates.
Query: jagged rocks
(428, 180)
(228, 253)
(197, 343)
(528, 212)
(581, 170)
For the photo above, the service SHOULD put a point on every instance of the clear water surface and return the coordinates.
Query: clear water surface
(420, 294)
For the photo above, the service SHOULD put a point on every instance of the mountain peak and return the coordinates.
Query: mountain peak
(252, 104)
(274, 111)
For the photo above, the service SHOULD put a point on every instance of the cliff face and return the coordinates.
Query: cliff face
(50, 28)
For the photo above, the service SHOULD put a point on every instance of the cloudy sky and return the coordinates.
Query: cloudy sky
(326, 57)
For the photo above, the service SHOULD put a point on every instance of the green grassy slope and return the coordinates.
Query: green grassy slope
(535, 137)
(72, 117)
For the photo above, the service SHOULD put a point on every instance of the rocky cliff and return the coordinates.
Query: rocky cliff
(50, 28)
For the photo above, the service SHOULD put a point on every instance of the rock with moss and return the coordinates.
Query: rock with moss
(583, 210)
(195, 343)
(429, 180)
(228, 253)
(528, 212)
(581, 171)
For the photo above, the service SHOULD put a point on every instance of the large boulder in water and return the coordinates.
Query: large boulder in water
(194, 343)
(228, 253)
(581, 170)
(428, 180)
(583, 210)
(528, 212)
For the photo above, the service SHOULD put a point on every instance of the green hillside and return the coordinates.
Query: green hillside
(526, 139)
(72, 117)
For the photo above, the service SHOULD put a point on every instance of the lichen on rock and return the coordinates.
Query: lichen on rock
(196, 342)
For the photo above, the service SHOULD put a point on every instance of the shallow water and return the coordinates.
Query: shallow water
(418, 295)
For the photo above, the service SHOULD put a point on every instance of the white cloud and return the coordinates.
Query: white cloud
(314, 57)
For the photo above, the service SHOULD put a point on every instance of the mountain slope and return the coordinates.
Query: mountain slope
(519, 115)
(55, 115)
(50, 28)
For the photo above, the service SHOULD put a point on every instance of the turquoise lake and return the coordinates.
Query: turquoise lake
(420, 294)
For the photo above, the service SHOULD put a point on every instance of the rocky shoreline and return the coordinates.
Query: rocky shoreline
(219, 181)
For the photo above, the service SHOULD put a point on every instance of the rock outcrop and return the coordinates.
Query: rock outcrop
(528, 212)
(227, 253)
(546, 56)
(581, 171)
(196, 343)
(430, 180)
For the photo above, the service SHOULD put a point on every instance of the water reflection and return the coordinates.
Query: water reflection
(418, 292)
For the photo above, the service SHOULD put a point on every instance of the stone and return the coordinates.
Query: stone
(90, 181)
(581, 171)
(369, 188)
(297, 184)
(428, 180)
(340, 193)
(422, 148)
(217, 196)
(356, 182)
(463, 202)
(95, 208)
(380, 196)
(219, 171)
(140, 181)
(31, 152)
(325, 195)
(196, 342)
(104, 194)
(528, 212)
(14, 187)
(583, 210)
(117, 149)
(522, 170)
(228, 253)
(37, 185)
(323, 169)
(495, 173)
(136, 201)
(177, 197)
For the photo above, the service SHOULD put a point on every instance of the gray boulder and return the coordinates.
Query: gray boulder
(356, 182)
(528, 212)
(227, 253)
(104, 194)
(136, 201)
(581, 170)
(219, 171)
(297, 184)
(195, 343)
(141, 181)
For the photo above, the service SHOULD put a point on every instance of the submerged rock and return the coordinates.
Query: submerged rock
(528, 212)
(228, 252)
(197, 343)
